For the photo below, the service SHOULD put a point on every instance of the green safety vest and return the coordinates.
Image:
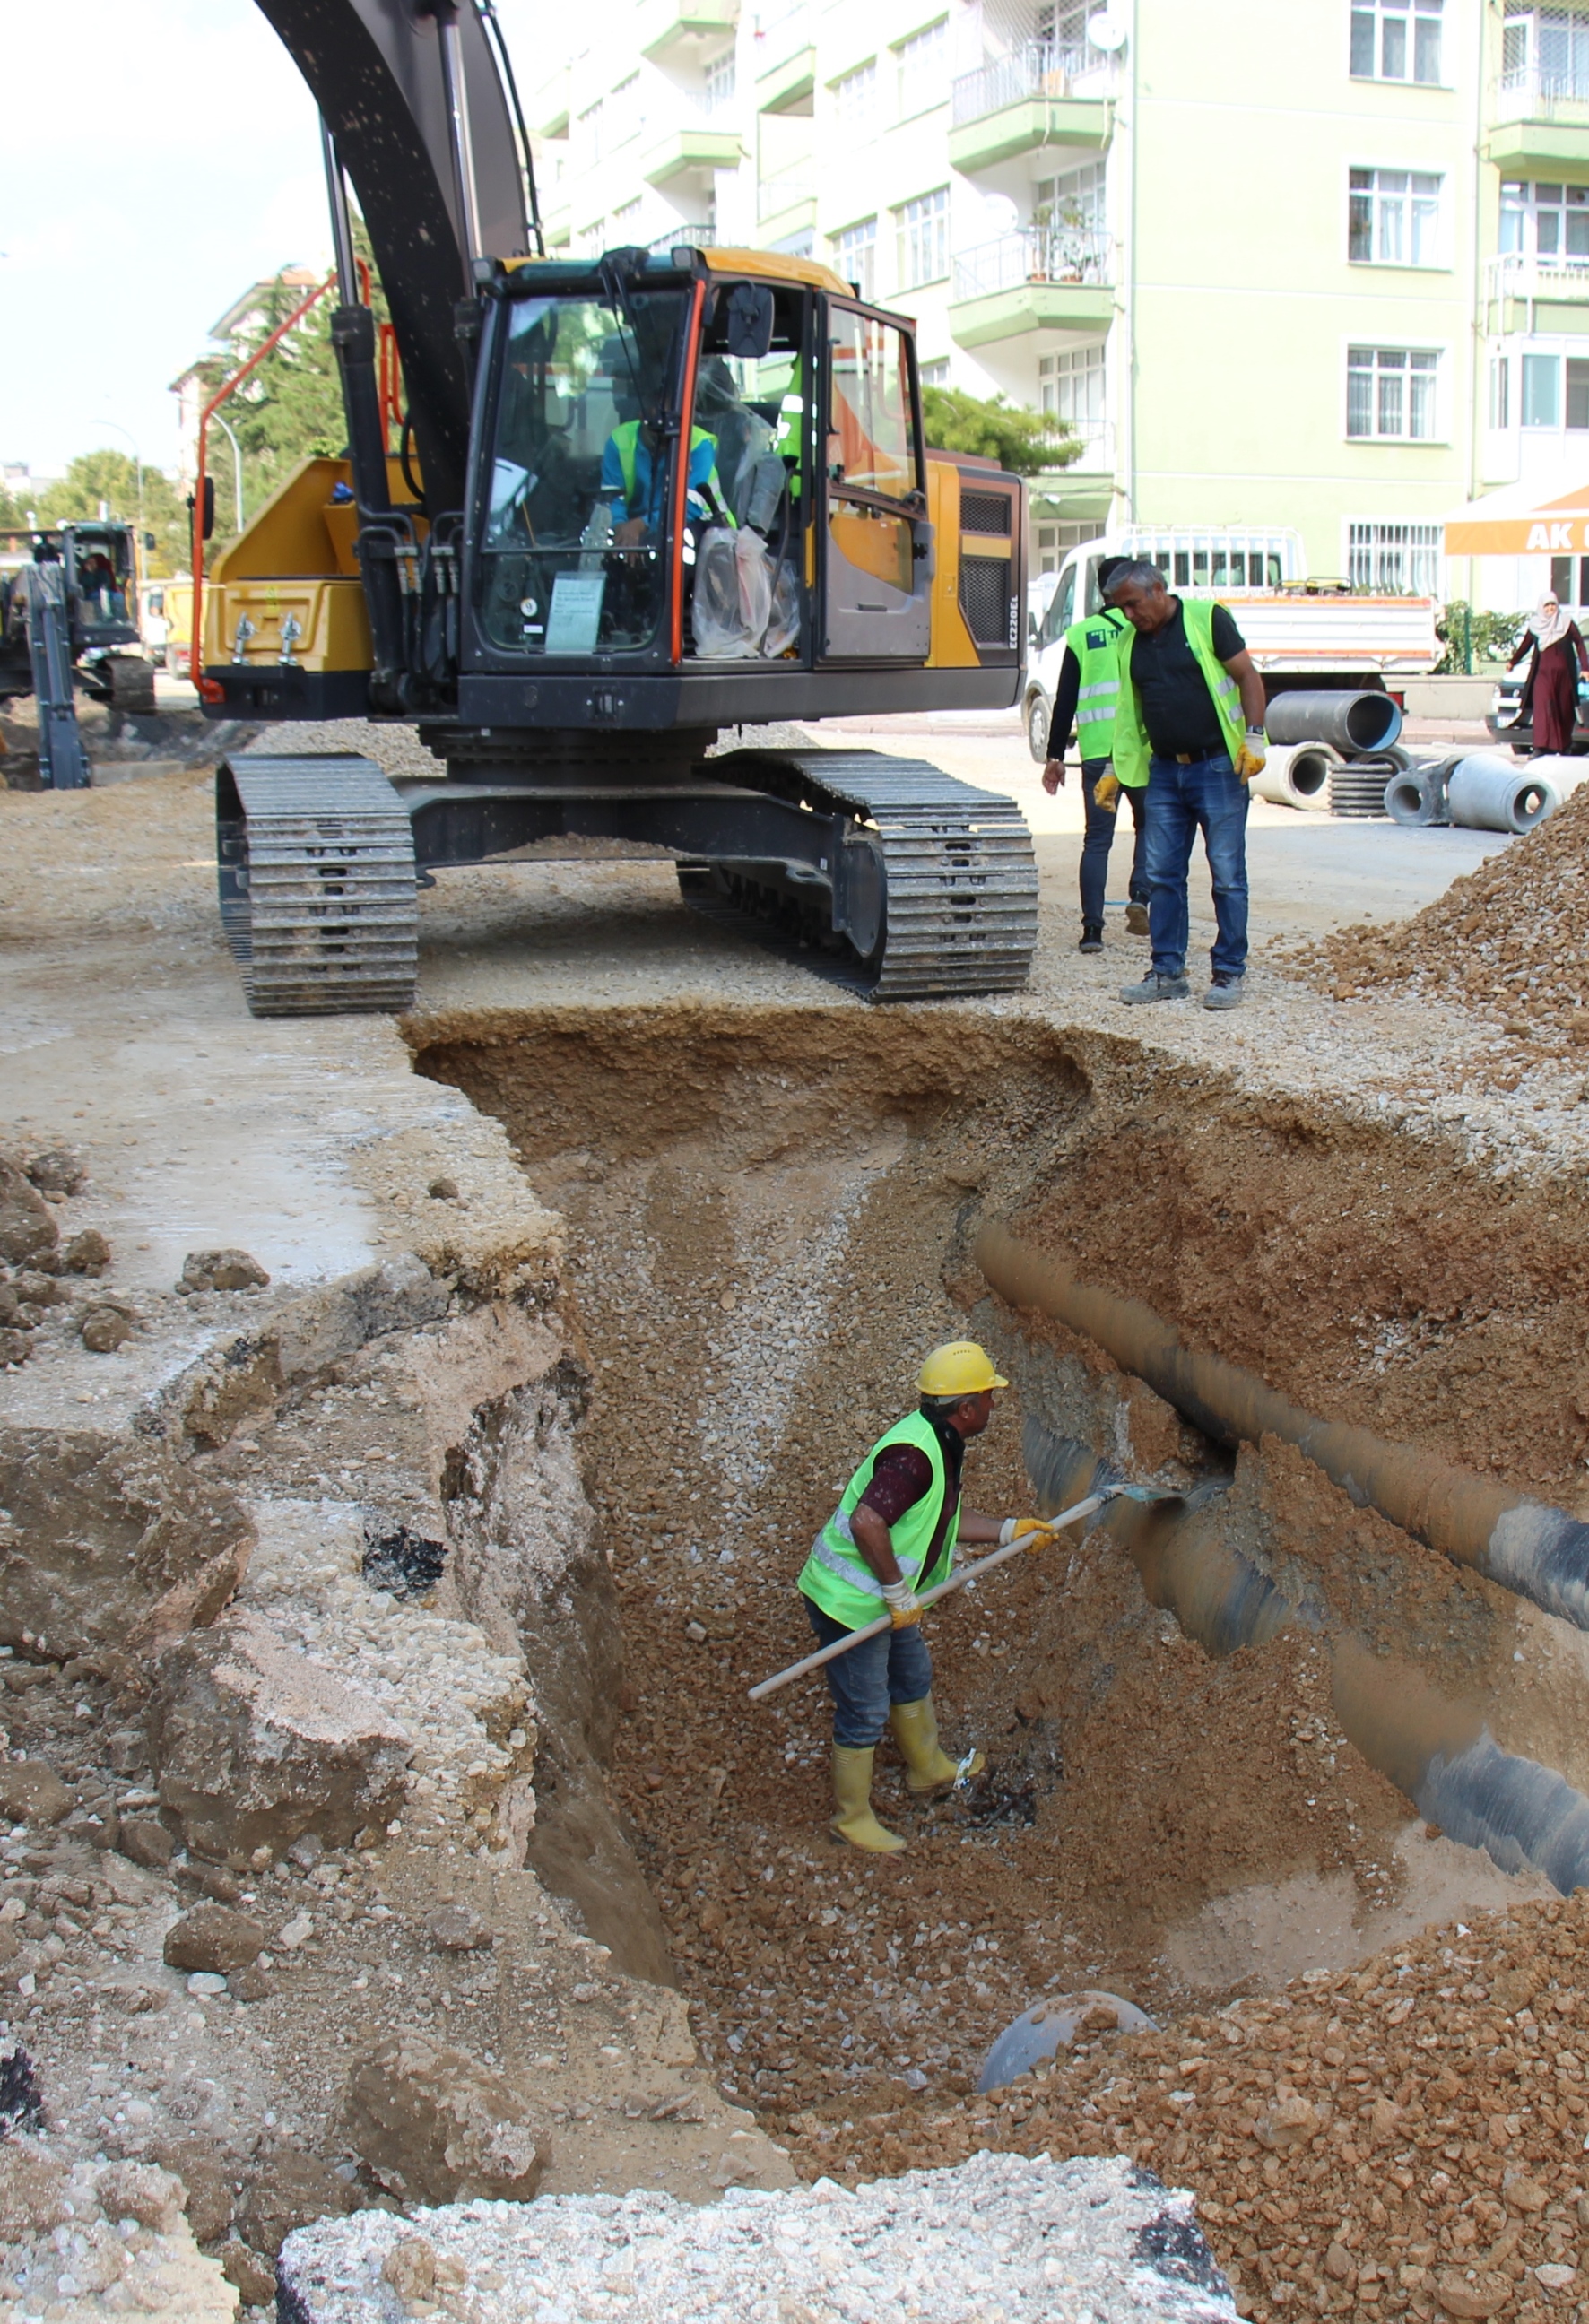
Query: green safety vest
(837, 1578)
(1095, 643)
(788, 434)
(1132, 748)
(626, 436)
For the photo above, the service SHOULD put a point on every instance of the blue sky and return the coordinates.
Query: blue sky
(159, 158)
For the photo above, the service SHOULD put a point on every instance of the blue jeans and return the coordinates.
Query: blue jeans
(1100, 838)
(1204, 797)
(893, 1667)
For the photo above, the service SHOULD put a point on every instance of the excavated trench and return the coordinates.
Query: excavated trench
(769, 1215)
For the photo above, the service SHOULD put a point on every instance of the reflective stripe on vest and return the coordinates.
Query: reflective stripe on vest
(626, 436)
(837, 1577)
(1095, 643)
(1132, 750)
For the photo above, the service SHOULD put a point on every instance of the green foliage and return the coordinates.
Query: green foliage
(1024, 442)
(112, 476)
(1493, 638)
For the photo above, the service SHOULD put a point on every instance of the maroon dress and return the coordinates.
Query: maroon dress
(1551, 692)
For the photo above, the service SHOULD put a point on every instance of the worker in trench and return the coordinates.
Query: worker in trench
(891, 1538)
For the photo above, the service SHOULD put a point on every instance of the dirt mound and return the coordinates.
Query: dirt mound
(1406, 2136)
(1509, 941)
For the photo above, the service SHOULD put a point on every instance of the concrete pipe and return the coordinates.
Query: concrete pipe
(1534, 1551)
(1564, 775)
(1296, 776)
(1436, 1751)
(1493, 794)
(1357, 786)
(1416, 798)
(1352, 723)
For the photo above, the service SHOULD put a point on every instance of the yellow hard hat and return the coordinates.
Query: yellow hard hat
(960, 1368)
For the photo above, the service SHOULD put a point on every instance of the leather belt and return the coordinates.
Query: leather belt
(1196, 758)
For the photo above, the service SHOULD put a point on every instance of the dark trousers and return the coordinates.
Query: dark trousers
(1100, 838)
(893, 1667)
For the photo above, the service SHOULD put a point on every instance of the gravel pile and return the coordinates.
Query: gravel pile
(999, 2241)
(1509, 942)
(1405, 2139)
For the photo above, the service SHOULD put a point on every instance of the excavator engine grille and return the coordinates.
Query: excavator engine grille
(984, 599)
(986, 512)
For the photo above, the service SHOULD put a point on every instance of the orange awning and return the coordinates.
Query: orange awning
(1517, 524)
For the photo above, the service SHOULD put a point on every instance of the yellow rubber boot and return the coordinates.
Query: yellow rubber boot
(852, 1788)
(915, 1730)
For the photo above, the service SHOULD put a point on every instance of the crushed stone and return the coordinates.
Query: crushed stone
(1020, 2241)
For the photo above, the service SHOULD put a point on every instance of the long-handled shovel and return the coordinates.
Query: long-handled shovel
(1051, 1525)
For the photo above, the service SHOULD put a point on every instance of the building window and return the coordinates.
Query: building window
(720, 81)
(1561, 573)
(923, 227)
(922, 66)
(1395, 560)
(1396, 40)
(1545, 49)
(1390, 392)
(1501, 391)
(1544, 220)
(1073, 200)
(1544, 378)
(591, 141)
(854, 97)
(1071, 389)
(856, 252)
(934, 373)
(1394, 218)
(626, 224)
(623, 114)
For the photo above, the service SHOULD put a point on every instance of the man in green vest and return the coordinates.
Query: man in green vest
(1085, 697)
(1189, 724)
(892, 1537)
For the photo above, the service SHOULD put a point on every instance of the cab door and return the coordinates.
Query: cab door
(875, 555)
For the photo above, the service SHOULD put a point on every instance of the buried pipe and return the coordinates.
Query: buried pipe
(1535, 1552)
(1438, 1752)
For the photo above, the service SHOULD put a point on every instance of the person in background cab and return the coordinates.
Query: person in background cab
(1187, 683)
(1550, 692)
(1084, 699)
(634, 465)
(892, 1537)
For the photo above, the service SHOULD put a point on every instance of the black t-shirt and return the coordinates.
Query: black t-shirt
(1178, 709)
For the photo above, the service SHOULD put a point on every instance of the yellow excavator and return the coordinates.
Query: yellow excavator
(637, 499)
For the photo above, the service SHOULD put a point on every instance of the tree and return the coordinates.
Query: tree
(1024, 442)
(112, 478)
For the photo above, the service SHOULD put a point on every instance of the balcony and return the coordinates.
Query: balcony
(1538, 123)
(668, 26)
(694, 147)
(782, 29)
(684, 237)
(1041, 279)
(786, 204)
(1525, 293)
(785, 84)
(1040, 96)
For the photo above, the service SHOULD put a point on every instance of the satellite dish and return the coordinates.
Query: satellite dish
(1106, 31)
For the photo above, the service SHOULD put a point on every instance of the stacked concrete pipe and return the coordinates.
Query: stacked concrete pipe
(1488, 792)
(1297, 774)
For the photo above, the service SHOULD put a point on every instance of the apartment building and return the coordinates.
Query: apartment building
(1313, 264)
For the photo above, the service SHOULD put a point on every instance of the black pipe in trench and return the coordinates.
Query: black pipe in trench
(1438, 1753)
(1534, 1551)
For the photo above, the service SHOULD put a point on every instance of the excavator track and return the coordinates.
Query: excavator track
(315, 857)
(944, 900)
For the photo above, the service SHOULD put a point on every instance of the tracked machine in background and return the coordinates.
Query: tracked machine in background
(69, 619)
(636, 500)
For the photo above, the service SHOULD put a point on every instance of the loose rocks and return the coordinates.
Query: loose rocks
(34, 1794)
(1028, 2241)
(222, 1270)
(27, 1227)
(458, 1929)
(437, 2126)
(104, 1328)
(214, 1938)
(111, 1548)
(254, 1745)
(60, 1171)
(87, 1253)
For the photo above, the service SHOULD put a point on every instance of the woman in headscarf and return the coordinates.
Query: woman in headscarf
(1551, 693)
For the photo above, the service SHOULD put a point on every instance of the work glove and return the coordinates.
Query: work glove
(1106, 790)
(1019, 1528)
(903, 1605)
(1254, 755)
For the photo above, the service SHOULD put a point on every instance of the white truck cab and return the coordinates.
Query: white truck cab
(1300, 629)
